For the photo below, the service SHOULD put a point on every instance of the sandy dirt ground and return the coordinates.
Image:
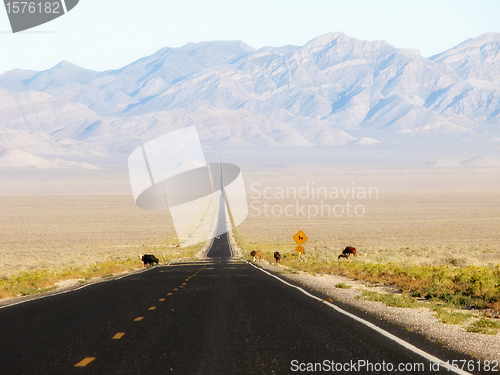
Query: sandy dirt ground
(46, 231)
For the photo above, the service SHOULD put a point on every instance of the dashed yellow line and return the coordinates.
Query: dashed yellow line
(84, 362)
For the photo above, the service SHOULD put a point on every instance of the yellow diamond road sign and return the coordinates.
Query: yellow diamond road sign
(300, 238)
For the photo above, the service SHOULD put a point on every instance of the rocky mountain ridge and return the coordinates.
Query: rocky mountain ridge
(333, 91)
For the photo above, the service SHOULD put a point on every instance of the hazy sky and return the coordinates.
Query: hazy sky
(108, 34)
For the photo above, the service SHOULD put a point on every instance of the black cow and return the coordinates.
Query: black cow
(277, 256)
(149, 259)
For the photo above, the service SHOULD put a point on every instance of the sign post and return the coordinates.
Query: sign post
(300, 238)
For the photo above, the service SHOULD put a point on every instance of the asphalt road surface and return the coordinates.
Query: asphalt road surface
(218, 316)
(213, 317)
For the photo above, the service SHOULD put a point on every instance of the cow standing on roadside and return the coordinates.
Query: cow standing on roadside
(149, 259)
(257, 255)
(347, 252)
(277, 256)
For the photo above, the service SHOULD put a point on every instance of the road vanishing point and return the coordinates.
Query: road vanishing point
(215, 316)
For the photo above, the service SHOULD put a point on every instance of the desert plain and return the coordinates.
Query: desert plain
(57, 219)
(407, 217)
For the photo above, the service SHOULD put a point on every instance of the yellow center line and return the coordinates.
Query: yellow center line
(152, 308)
(161, 299)
(138, 319)
(183, 283)
(119, 335)
(182, 286)
(169, 294)
(84, 362)
(176, 289)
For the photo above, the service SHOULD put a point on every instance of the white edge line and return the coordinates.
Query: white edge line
(374, 327)
(75, 289)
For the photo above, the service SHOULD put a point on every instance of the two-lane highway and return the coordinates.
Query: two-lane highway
(214, 317)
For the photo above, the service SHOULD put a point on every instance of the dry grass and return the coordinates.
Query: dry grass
(391, 299)
(484, 325)
(26, 283)
(451, 317)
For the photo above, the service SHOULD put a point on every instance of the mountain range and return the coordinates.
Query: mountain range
(334, 91)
